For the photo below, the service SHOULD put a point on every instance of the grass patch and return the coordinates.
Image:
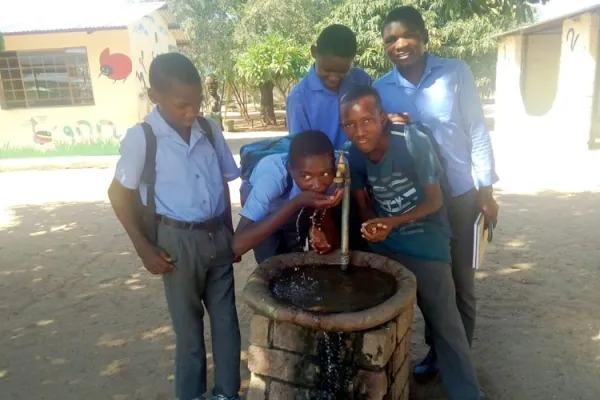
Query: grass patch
(100, 148)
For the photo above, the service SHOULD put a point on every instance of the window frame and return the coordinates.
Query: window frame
(79, 101)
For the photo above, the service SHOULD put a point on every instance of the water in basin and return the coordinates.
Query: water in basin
(327, 289)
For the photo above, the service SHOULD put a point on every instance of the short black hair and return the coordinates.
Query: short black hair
(338, 41)
(172, 67)
(408, 15)
(360, 92)
(309, 143)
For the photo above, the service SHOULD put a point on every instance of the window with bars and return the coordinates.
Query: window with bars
(45, 78)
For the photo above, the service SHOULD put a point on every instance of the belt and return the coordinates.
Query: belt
(210, 225)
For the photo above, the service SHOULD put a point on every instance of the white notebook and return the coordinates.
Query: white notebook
(481, 230)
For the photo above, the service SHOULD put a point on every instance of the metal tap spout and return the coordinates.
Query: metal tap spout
(342, 180)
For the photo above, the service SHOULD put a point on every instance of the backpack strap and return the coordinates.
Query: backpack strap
(149, 178)
(289, 185)
(444, 184)
(208, 131)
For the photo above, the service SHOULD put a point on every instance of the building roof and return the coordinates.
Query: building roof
(549, 22)
(52, 16)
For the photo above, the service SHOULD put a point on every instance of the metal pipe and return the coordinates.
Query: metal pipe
(342, 179)
(345, 248)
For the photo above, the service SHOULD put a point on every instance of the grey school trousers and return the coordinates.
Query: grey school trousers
(203, 279)
(436, 299)
(462, 213)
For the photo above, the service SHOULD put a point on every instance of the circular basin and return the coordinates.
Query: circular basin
(311, 290)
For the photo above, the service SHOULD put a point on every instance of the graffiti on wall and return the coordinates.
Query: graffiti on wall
(140, 29)
(82, 131)
(572, 38)
(115, 66)
(157, 32)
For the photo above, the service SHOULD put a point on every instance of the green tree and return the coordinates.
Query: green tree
(457, 28)
(210, 25)
(1, 43)
(274, 62)
(295, 19)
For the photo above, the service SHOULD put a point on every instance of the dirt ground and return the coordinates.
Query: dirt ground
(81, 319)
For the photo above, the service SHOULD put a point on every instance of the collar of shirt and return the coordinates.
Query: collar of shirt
(162, 129)
(432, 63)
(316, 84)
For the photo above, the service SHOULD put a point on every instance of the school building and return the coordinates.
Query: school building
(547, 86)
(77, 78)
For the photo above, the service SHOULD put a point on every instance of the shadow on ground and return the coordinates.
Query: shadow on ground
(538, 322)
(82, 320)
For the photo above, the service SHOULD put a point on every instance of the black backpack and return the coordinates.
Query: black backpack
(147, 214)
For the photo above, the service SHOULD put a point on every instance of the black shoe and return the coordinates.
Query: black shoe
(427, 369)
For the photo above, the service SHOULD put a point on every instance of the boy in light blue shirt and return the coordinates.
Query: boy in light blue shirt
(314, 102)
(192, 250)
(282, 185)
(441, 93)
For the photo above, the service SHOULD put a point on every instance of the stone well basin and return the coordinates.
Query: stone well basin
(299, 350)
(259, 295)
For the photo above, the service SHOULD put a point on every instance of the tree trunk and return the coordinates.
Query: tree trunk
(267, 108)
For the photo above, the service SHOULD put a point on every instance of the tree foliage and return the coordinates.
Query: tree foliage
(210, 25)
(295, 19)
(257, 42)
(457, 28)
(276, 61)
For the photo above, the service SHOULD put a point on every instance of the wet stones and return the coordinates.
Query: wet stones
(292, 362)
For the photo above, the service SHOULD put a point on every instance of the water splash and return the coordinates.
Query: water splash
(336, 367)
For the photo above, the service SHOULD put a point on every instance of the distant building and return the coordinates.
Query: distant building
(546, 80)
(78, 76)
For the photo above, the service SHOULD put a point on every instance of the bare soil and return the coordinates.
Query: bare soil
(81, 319)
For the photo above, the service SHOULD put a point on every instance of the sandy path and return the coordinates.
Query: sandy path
(82, 320)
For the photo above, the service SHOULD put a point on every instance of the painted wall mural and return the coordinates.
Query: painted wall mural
(115, 66)
(81, 131)
(151, 38)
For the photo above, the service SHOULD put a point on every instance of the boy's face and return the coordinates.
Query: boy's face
(314, 173)
(363, 122)
(180, 104)
(331, 69)
(404, 44)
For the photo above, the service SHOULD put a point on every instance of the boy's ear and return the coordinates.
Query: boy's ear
(313, 51)
(426, 37)
(152, 95)
(384, 118)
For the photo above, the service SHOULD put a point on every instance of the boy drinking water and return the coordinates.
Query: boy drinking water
(192, 251)
(405, 220)
(281, 186)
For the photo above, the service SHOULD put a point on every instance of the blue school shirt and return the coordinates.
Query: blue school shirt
(447, 101)
(397, 187)
(189, 184)
(269, 182)
(312, 106)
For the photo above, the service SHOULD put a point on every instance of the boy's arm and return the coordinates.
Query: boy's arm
(432, 203)
(249, 233)
(228, 166)
(428, 170)
(473, 119)
(297, 119)
(121, 194)
(257, 224)
(359, 182)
